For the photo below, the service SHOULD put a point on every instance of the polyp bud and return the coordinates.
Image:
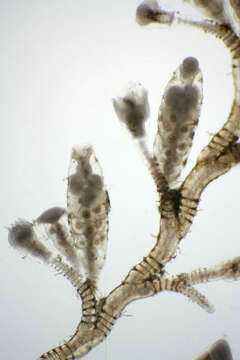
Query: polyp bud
(150, 12)
(22, 236)
(133, 109)
(51, 215)
(54, 222)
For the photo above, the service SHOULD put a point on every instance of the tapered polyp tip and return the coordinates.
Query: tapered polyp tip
(149, 12)
(189, 67)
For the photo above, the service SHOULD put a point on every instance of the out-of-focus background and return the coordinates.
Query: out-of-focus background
(62, 62)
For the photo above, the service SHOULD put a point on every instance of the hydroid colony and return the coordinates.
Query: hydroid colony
(77, 236)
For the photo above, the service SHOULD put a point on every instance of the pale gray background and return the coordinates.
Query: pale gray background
(61, 64)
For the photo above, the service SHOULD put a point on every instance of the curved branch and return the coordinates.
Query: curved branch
(201, 175)
(109, 309)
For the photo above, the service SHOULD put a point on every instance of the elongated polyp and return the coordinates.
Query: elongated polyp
(88, 207)
(178, 118)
